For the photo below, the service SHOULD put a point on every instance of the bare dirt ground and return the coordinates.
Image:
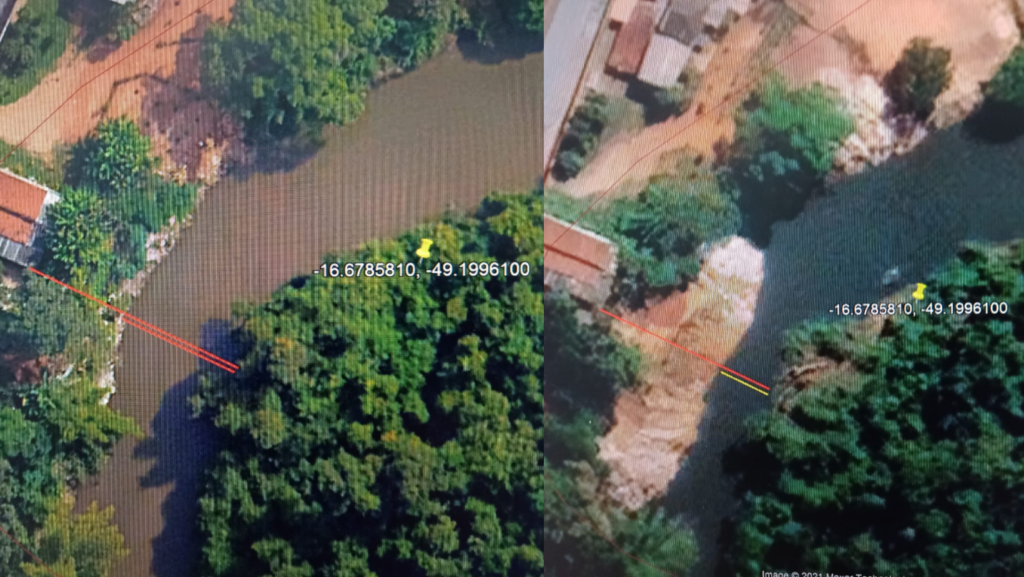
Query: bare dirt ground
(979, 33)
(156, 85)
(656, 423)
(703, 125)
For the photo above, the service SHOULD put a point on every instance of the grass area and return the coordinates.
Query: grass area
(31, 48)
(624, 116)
(564, 207)
(28, 165)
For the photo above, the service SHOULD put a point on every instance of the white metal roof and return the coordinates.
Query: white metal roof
(664, 62)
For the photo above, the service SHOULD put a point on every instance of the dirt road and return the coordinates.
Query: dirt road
(75, 69)
(979, 34)
(703, 125)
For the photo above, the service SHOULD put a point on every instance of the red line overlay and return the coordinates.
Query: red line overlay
(105, 70)
(701, 117)
(603, 536)
(682, 348)
(30, 554)
(155, 331)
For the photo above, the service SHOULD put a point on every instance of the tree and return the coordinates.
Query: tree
(1001, 116)
(663, 228)
(20, 49)
(1007, 86)
(658, 539)
(288, 67)
(919, 77)
(53, 319)
(85, 545)
(786, 142)
(529, 15)
(588, 365)
(912, 467)
(585, 369)
(582, 134)
(83, 428)
(420, 28)
(31, 47)
(402, 437)
(662, 103)
(78, 239)
(115, 160)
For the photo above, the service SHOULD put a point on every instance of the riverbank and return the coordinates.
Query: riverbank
(656, 423)
(441, 136)
(912, 212)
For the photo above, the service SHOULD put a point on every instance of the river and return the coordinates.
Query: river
(466, 123)
(913, 212)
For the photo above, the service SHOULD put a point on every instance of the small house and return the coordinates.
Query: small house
(23, 205)
(579, 262)
(632, 40)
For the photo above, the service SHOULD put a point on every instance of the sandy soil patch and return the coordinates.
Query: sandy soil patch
(979, 33)
(92, 101)
(656, 424)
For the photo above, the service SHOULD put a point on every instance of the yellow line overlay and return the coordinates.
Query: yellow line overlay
(744, 384)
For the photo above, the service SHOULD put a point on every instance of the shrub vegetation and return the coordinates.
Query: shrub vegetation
(910, 468)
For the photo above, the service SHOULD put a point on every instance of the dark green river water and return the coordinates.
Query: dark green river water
(913, 212)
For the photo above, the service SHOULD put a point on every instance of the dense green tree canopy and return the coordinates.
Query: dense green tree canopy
(31, 47)
(285, 66)
(78, 240)
(805, 124)
(529, 15)
(919, 77)
(912, 466)
(1008, 84)
(664, 226)
(660, 231)
(99, 230)
(582, 135)
(786, 142)
(50, 435)
(388, 426)
(86, 545)
(589, 365)
(114, 160)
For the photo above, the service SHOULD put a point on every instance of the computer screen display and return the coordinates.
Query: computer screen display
(272, 297)
(783, 288)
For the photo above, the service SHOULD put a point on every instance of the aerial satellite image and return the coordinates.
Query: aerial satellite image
(272, 297)
(784, 288)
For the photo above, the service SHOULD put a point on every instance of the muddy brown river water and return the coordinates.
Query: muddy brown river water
(440, 137)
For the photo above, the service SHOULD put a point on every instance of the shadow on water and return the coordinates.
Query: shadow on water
(913, 212)
(510, 46)
(181, 448)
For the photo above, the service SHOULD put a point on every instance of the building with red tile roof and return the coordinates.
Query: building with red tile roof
(22, 209)
(578, 261)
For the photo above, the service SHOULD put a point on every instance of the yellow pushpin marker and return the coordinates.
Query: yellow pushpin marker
(424, 250)
(919, 293)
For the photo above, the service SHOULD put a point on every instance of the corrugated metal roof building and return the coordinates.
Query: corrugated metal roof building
(631, 42)
(665, 61)
(581, 262)
(618, 12)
